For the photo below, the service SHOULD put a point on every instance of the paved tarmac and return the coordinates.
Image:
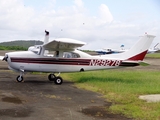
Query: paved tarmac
(39, 99)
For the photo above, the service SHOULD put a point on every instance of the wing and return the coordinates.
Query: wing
(63, 44)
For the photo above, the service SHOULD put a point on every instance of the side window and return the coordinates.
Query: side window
(75, 55)
(67, 55)
(48, 53)
(70, 55)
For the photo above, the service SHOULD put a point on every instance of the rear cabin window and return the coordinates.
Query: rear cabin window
(70, 55)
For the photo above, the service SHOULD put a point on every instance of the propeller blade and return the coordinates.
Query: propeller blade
(1, 57)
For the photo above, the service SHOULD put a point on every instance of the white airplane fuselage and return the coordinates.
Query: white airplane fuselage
(31, 62)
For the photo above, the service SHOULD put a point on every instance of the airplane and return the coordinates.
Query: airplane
(114, 51)
(154, 49)
(66, 57)
(108, 51)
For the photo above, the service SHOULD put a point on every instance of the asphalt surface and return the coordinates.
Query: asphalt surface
(39, 99)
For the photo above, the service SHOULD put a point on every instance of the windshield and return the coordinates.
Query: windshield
(35, 49)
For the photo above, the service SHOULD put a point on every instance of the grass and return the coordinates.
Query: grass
(153, 55)
(122, 88)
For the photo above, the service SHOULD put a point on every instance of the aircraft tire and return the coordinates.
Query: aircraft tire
(58, 81)
(19, 78)
(51, 77)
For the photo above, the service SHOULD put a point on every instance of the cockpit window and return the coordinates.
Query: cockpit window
(70, 55)
(35, 49)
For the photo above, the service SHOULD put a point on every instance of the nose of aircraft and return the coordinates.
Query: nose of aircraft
(5, 57)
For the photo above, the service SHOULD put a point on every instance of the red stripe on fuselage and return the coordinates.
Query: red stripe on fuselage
(52, 61)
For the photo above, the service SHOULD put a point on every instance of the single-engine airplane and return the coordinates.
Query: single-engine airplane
(67, 58)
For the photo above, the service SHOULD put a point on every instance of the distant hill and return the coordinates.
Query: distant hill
(22, 43)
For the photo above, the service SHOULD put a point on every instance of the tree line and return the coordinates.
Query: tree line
(12, 48)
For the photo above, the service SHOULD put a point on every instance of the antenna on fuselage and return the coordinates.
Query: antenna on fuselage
(46, 38)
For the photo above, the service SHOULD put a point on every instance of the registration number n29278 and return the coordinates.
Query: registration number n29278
(102, 62)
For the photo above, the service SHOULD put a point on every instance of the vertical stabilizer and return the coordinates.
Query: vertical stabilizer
(46, 39)
(138, 51)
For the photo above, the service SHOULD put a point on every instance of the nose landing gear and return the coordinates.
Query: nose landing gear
(19, 78)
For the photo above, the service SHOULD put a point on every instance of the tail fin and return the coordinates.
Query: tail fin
(138, 51)
(46, 39)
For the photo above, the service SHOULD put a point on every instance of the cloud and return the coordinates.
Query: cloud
(78, 3)
(105, 14)
(19, 21)
(15, 15)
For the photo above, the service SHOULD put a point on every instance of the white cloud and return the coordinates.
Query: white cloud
(18, 21)
(14, 15)
(78, 3)
(105, 14)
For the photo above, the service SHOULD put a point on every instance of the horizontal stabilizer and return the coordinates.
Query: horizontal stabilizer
(143, 64)
(133, 63)
(129, 63)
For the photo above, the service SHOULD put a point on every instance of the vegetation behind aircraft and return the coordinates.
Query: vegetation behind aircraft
(19, 44)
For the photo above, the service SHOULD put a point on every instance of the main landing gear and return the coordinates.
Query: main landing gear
(57, 79)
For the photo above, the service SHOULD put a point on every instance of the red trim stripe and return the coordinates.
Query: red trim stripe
(52, 61)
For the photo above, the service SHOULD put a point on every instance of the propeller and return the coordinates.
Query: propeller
(5, 58)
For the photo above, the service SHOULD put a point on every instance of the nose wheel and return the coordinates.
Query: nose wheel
(19, 78)
(57, 79)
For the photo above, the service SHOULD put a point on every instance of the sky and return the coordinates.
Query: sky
(99, 23)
